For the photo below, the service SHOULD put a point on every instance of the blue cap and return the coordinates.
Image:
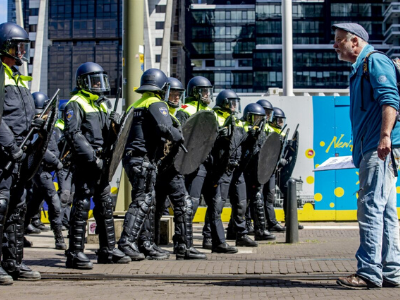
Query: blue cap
(353, 28)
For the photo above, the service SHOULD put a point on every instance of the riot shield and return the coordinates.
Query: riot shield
(37, 146)
(2, 92)
(290, 151)
(268, 157)
(200, 132)
(118, 147)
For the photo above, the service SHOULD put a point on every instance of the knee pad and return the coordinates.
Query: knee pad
(81, 209)
(104, 208)
(65, 197)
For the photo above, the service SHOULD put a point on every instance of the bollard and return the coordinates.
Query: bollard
(292, 225)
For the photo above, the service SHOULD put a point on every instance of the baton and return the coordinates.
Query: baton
(28, 136)
(183, 148)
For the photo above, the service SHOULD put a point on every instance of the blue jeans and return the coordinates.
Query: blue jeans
(379, 254)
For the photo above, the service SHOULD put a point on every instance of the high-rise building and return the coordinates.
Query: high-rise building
(238, 44)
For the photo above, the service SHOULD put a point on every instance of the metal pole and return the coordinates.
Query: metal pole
(292, 225)
(132, 58)
(287, 47)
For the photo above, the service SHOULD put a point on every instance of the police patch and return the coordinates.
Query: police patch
(382, 79)
(164, 111)
(69, 114)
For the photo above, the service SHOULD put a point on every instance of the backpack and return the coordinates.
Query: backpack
(396, 63)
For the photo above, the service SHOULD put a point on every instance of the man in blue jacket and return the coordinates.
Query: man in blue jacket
(374, 102)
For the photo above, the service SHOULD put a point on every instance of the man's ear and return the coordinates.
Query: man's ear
(355, 41)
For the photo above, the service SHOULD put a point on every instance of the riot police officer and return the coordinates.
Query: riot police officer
(87, 128)
(231, 182)
(277, 124)
(43, 186)
(66, 187)
(18, 118)
(151, 124)
(252, 115)
(171, 184)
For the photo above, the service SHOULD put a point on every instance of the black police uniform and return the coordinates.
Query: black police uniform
(66, 187)
(19, 110)
(86, 125)
(151, 124)
(44, 189)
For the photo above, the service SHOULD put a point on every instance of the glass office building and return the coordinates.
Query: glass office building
(82, 31)
(238, 44)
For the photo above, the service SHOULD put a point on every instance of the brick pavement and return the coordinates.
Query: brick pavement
(320, 251)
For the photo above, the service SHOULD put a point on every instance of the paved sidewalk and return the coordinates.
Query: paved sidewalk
(320, 251)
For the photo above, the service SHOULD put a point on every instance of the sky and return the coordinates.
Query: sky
(3, 11)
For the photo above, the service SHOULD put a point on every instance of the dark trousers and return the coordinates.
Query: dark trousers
(43, 189)
(88, 184)
(269, 201)
(66, 190)
(172, 185)
(12, 216)
(234, 186)
(199, 183)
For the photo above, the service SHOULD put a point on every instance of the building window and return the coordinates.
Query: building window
(158, 58)
(228, 46)
(228, 15)
(210, 63)
(159, 25)
(34, 12)
(158, 41)
(244, 15)
(32, 28)
(161, 8)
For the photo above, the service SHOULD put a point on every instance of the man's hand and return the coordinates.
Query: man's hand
(223, 132)
(384, 147)
(38, 123)
(115, 117)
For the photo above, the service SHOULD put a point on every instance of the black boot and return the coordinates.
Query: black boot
(131, 250)
(264, 235)
(277, 228)
(151, 252)
(30, 229)
(245, 241)
(5, 279)
(115, 256)
(39, 225)
(59, 238)
(224, 248)
(249, 227)
(207, 243)
(182, 252)
(78, 260)
(27, 244)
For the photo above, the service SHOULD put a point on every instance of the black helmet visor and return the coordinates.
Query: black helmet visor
(97, 83)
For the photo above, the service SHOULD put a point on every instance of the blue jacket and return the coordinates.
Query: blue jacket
(366, 125)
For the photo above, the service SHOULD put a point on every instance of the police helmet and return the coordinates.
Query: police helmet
(92, 78)
(253, 113)
(40, 100)
(279, 119)
(14, 42)
(201, 89)
(61, 109)
(176, 93)
(268, 107)
(228, 100)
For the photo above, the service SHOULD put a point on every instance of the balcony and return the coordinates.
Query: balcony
(392, 12)
(392, 34)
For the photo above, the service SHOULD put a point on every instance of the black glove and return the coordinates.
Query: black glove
(38, 123)
(223, 132)
(59, 166)
(99, 163)
(115, 117)
(16, 153)
(252, 132)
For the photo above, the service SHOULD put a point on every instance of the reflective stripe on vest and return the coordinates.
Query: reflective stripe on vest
(222, 116)
(60, 124)
(87, 105)
(146, 100)
(17, 80)
(191, 108)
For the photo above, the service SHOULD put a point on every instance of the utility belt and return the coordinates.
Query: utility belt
(146, 165)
